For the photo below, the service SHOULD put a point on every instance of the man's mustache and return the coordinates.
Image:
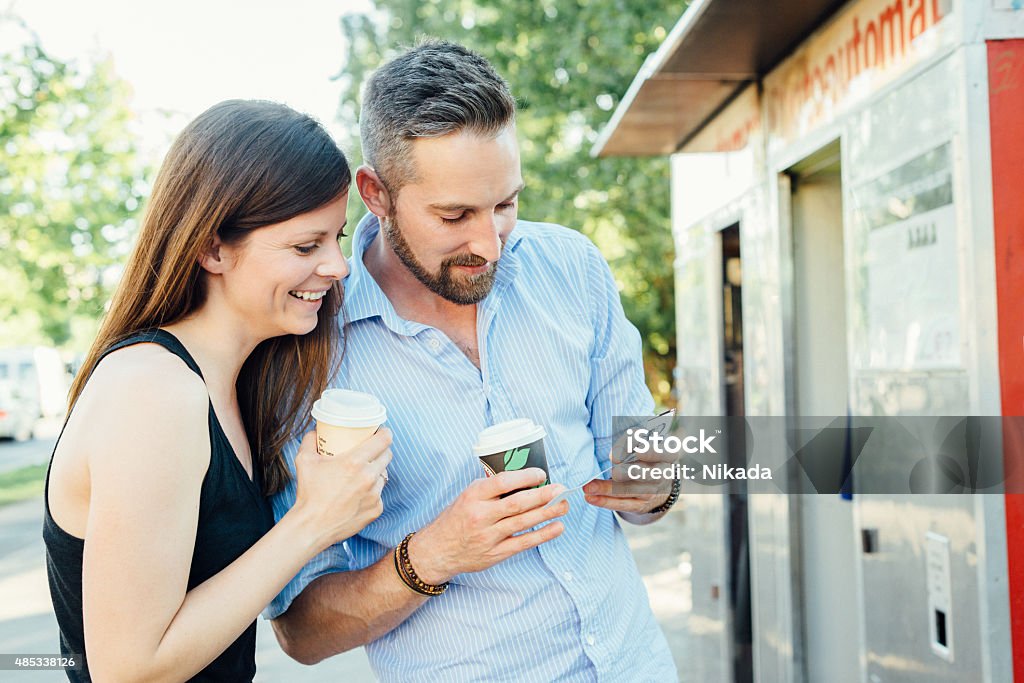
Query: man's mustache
(471, 260)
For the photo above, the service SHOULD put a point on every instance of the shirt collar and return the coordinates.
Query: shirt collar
(365, 299)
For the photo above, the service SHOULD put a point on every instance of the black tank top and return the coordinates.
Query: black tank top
(233, 515)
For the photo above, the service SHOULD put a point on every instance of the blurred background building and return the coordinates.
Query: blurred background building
(848, 227)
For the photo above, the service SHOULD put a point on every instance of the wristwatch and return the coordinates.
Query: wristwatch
(673, 496)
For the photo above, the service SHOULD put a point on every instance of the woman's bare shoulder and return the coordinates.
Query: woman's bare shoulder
(143, 387)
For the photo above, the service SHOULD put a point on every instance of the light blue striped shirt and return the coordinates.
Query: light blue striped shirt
(555, 347)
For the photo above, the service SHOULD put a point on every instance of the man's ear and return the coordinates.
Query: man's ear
(375, 195)
(215, 258)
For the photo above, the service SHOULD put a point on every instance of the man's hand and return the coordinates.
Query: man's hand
(480, 529)
(636, 497)
(631, 487)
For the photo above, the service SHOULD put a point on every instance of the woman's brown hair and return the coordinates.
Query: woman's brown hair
(238, 166)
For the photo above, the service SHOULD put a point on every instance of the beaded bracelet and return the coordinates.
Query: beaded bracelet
(673, 496)
(403, 565)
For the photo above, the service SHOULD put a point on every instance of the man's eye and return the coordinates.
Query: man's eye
(457, 219)
(305, 250)
(507, 205)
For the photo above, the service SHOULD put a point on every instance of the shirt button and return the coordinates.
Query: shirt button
(567, 576)
(591, 640)
(435, 344)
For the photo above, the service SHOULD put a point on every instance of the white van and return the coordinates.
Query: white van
(38, 378)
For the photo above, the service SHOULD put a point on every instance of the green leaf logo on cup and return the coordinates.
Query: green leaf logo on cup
(512, 445)
(516, 458)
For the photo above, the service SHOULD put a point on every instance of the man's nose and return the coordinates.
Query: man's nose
(486, 239)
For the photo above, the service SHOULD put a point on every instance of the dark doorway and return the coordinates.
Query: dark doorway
(733, 399)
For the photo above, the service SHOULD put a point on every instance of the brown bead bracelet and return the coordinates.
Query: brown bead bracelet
(673, 496)
(403, 565)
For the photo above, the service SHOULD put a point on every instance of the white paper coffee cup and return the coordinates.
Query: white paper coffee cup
(345, 419)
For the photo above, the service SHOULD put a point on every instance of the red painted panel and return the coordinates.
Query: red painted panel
(1006, 111)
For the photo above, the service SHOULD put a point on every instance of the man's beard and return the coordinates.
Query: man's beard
(467, 290)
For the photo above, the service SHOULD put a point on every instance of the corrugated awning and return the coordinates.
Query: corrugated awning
(715, 49)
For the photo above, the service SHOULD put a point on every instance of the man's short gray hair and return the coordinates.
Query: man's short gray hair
(433, 89)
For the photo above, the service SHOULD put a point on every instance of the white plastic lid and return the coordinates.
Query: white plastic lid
(505, 435)
(344, 408)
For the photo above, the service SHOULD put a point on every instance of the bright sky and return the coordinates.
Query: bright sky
(186, 55)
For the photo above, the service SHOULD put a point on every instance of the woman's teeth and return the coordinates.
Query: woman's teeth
(308, 296)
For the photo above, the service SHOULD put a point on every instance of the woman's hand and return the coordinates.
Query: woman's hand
(339, 495)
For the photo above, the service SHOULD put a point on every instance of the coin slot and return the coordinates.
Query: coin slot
(940, 628)
(869, 540)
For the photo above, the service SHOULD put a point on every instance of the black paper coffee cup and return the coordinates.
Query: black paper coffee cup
(512, 445)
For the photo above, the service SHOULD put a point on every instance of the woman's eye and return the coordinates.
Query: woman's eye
(305, 250)
(457, 219)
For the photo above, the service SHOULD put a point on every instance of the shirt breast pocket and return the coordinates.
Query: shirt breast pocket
(541, 360)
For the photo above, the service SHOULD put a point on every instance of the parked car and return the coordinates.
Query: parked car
(17, 417)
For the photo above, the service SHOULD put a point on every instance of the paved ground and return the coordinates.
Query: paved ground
(27, 624)
(15, 455)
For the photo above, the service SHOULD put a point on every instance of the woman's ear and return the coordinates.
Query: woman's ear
(215, 258)
(375, 195)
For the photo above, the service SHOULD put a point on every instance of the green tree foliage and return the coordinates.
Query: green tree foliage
(568, 62)
(70, 188)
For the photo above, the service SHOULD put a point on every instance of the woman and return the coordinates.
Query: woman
(160, 551)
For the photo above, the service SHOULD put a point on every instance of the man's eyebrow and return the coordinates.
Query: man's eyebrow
(451, 207)
(516, 191)
(466, 207)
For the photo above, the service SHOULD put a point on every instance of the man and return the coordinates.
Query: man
(460, 317)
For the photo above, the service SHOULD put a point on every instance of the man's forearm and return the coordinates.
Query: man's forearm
(344, 610)
(640, 518)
